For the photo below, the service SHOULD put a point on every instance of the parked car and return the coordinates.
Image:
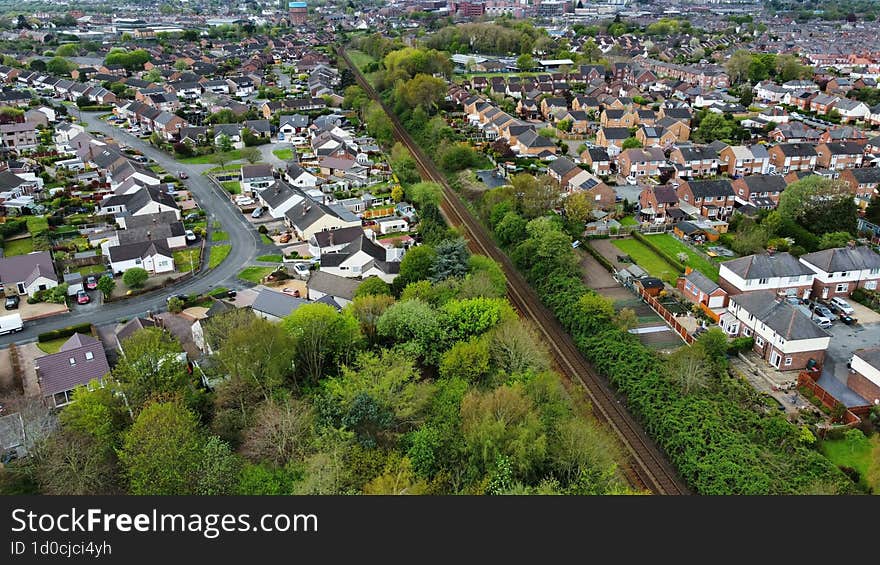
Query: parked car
(190, 235)
(91, 282)
(301, 269)
(191, 217)
(246, 201)
(823, 310)
(285, 237)
(82, 297)
(182, 175)
(12, 302)
(258, 211)
(840, 305)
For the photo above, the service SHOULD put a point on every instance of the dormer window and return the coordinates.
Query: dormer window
(72, 361)
(89, 355)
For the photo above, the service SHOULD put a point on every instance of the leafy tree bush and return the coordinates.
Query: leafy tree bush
(135, 277)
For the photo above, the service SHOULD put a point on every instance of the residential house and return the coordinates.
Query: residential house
(598, 160)
(659, 204)
(761, 191)
(864, 183)
(852, 110)
(362, 258)
(779, 272)
(79, 361)
(611, 118)
(839, 271)
(562, 170)
(839, 155)
(291, 125)
(714, 198)
(154, 256)
(531, 144)
(786, 157)
(700, 289)
(255, 178)
(149, 200)
(656, 136)
(275, 306)
(636, 162)
(28, 274)
(332, 241)
(694, 161)
(295, 175)
(739, 160)
(784, 335)
(612, 139)
(324, 286)
(308, 217)
(864, 374)
(19, 135)
(823, 103)
(602, 196)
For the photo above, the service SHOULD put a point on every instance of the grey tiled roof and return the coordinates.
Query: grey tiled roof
(765, 266)
(842, 259)
(57, 373)
(780, 316)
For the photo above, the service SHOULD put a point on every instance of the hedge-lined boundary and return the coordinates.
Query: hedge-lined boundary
(673, 262)
(85, 328)
(600, 258)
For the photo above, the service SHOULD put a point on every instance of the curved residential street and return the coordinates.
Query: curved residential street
(245, 241)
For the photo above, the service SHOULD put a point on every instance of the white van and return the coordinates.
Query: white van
(11, 323)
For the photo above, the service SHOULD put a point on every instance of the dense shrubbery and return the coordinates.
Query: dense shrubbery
(712, 433)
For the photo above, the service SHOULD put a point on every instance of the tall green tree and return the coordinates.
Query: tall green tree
(151, 364)
(322, 338)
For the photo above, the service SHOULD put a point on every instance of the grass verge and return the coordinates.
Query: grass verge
(255, 274)
(218, 254)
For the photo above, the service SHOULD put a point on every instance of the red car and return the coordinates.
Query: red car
(82, 297)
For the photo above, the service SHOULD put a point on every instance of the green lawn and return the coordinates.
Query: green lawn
(158, 169)
(52, 346)
(219, 236)
(628, 221)
(283, 154)
(232, 186)
(359, 58)
(270, 258)
(208, 159)
(18, 246)
(186, 259)
(255, 274)
(220, 290)
(673, 247)
(218, 254)
(266, 239)
(647, 259)
(862, 455)
(228, 168)
(37, 224)
(92, 270)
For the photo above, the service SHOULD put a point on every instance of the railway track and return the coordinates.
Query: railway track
(647, 466)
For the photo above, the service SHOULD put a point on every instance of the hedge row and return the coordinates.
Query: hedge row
(717, 440)
(85, 328)
(13, 227)
(869, 298)
(600, 258)
(673, 262)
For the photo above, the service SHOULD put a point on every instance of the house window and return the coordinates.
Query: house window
(89, 355)
(61, 398)
(763, 281)
(759, 341)
(843, 287)
(871, 285)
(72, 361)
(788, 361)
(747, 332)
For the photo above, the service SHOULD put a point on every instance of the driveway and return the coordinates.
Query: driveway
(246, 245)
(844, 341)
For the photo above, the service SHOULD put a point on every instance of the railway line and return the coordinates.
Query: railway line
(647, 467)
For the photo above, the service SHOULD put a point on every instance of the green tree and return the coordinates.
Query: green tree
(97, 411)
(283, 432)
(834, 239)
(511, 229)
(162, 452)
(417, 264)
(737, 66)
(525, 62)
(412, 323)
(451, 260)
(468, 360)
(578, 208)
(72, 462)
(175, 305)
(424, 193)
(151, 365)
(631, 143)
(106, 285)
(821, 205)
(422, 91)
(367, 309)
(250, 154)
(224, 143)
(372, 286)
(713, 127)
(688, 369)
(135, 277)
(181, 65)
(536, 196)
(60, 66)
(322, 337)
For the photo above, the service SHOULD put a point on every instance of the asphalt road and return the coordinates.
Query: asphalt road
(245, 240)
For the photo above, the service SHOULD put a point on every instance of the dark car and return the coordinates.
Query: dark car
(12, 302)
(91, 282)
